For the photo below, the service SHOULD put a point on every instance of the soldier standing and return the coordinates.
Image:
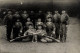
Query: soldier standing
(41, 15)
(16, 16)
(56, 21)
(63, 26)
(17, 29)
(24, 18)
(32, 17)
(9, 22)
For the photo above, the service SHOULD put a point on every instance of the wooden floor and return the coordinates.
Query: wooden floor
(71, 46)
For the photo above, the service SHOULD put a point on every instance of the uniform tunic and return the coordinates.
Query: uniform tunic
(16, 17)
(63, 28)
(24, 19)
(30, 33)
(17, 28)
(9, 22)
(49, 27)
(41, 15)
(32, 17)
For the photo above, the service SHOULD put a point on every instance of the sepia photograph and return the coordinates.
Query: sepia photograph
(39, 26)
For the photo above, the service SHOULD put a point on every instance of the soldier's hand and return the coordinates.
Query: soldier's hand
(21, 31)
(67, 25)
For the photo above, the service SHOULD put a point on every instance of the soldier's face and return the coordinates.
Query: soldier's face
(40, 11)
(48, 12)
(28, 19)
(30, 27)
(9, 12)
(16, 12)
(56, 12)
(25, 12)
(63, 12)
(49, 19)
(39, 20)
(32, 11)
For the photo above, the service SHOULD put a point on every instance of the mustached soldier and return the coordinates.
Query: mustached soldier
(24, 18)
(56, 20)
(63, 28)
(9, 22)
(17, 29)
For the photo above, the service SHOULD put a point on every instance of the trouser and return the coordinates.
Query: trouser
(16, 32)
(63, 31)
(57, 26)
(40, 37)
(34, 38)
(23, 37)
(9, 29)
(49, 31)
(24, 29)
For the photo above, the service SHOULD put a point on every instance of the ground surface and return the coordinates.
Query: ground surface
(71, 46)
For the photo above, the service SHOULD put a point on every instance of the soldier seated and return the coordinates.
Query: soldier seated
(28, 35)
(41, 33)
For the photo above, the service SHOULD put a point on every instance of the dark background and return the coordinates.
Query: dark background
(71, 6)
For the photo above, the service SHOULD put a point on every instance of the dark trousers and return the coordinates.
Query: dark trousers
(23, 37)
(57, 25)
(49, 31)
(63, 31)
(16, 32)
(9, 30)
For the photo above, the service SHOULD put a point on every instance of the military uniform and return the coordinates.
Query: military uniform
(32, 17)
(49, 27)
(28, 35)
(63, 28)
(41, 33)
(31, 34)
(9, 23)
(24, 18)
(16, 17)
(27, 24)
(40, 24)
(41, 15)
(56, 21)
(17, 29)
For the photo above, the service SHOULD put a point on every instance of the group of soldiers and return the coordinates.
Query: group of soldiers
(45, 27)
